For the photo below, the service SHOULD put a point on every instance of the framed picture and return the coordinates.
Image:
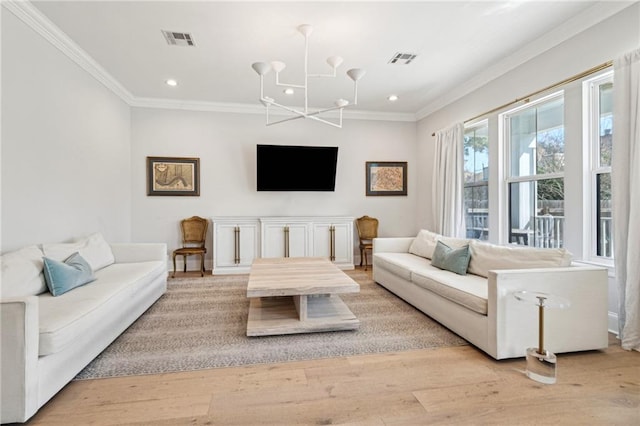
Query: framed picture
(173, 176)
(386, 178)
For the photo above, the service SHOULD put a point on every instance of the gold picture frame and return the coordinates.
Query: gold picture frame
(173, 176)
(386, 177)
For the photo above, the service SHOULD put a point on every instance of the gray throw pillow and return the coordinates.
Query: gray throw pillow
(454, 260)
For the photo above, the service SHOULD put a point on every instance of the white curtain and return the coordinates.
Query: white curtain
(625, 194)
(447, 204)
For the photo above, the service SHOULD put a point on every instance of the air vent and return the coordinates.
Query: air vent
(178, 39)
(402, 58)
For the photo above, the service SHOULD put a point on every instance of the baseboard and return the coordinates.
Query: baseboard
(613, 323)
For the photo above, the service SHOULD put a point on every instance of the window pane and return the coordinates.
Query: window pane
(604, 240)
(536, 213)
(476, 154)
(606, 123)
(537, 139)
(476, 203)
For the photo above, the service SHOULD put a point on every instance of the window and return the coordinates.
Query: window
(600, 106)
(476, 180)
(534, 139)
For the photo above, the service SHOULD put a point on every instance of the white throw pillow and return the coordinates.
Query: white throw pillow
(486, 257)
(94, 249)
(22, 273)
(424, 244)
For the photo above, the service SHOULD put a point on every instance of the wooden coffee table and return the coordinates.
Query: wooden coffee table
(298, 295)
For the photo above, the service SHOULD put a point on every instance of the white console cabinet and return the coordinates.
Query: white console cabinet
(237, 241)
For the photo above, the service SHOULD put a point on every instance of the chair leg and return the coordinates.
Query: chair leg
(184, 260)
(361, 256)
(202, 265)
(174, 266)
(365, 259)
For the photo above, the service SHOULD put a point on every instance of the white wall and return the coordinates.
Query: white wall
(65, 146)
(226, 145)
(600, 43)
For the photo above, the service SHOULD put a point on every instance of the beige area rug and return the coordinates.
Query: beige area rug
(201, 323)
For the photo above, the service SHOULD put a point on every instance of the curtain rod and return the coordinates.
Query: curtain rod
(553, 86)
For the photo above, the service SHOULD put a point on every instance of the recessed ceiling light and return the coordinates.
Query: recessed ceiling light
(393, 98)
(288, 91)
(171, 82)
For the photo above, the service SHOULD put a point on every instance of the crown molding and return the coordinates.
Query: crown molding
(258, 109)
(579, 23)
(31, 16)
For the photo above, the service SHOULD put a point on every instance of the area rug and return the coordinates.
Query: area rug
(200, 323)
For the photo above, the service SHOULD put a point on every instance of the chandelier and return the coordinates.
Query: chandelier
(262, 68)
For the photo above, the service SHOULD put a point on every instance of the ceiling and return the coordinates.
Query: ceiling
(458, 44)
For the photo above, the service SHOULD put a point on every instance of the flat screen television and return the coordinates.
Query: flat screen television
(296, 168)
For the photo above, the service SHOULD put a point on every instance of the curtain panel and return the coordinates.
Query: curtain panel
(447, 182)
(625, 195)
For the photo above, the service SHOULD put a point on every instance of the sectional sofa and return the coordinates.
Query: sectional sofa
(47, 340)
(479, 305)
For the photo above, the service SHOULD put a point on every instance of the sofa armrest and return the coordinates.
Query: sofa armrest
(392, 244)
(513, 324)
(139, 252)
(19, 358)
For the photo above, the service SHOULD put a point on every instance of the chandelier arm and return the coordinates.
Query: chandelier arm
(297, 86)
(286, 119)
(339, 126)
(293, 110)
(328, 109)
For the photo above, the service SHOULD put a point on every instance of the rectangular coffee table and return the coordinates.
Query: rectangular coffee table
(298, 295)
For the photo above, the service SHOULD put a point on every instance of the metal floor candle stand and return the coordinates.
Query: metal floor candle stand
(541, 363)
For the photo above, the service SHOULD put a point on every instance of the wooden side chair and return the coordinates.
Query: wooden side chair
(367, 230)
(194, 234)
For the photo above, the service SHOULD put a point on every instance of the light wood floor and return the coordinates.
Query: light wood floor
(458, 385)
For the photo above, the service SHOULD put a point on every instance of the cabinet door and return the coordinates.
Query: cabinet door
(333, 241)
(298, 240)
(343, 246)
(224, 245)
(235, 245)
(248, 243)
(285, 240)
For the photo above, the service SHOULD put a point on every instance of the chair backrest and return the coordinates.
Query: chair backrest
(367, 227)
(194, 231)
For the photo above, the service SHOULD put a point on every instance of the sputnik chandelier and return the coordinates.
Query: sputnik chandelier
(262, 68)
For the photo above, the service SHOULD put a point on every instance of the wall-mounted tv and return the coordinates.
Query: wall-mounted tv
(296, 168)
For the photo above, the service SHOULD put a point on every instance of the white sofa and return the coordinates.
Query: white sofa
(47, 340)
(482, 309)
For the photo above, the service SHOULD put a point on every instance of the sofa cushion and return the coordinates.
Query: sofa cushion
(62, 277)
(400, 264)
(469, 291)
(22, 273)
(93, 248)
(453, 260)
(77, 312)
(424, 244)
(486, 257)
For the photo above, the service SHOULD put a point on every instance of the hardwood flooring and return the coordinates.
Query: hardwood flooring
(459, 385)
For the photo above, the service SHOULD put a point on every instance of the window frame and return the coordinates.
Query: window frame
(591, 133)
(506, 176)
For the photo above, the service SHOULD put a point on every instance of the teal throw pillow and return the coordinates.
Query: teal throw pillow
(64, 276)
(454, 260)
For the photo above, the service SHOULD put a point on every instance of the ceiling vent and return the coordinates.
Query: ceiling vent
(402, 58)
(178, 39)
